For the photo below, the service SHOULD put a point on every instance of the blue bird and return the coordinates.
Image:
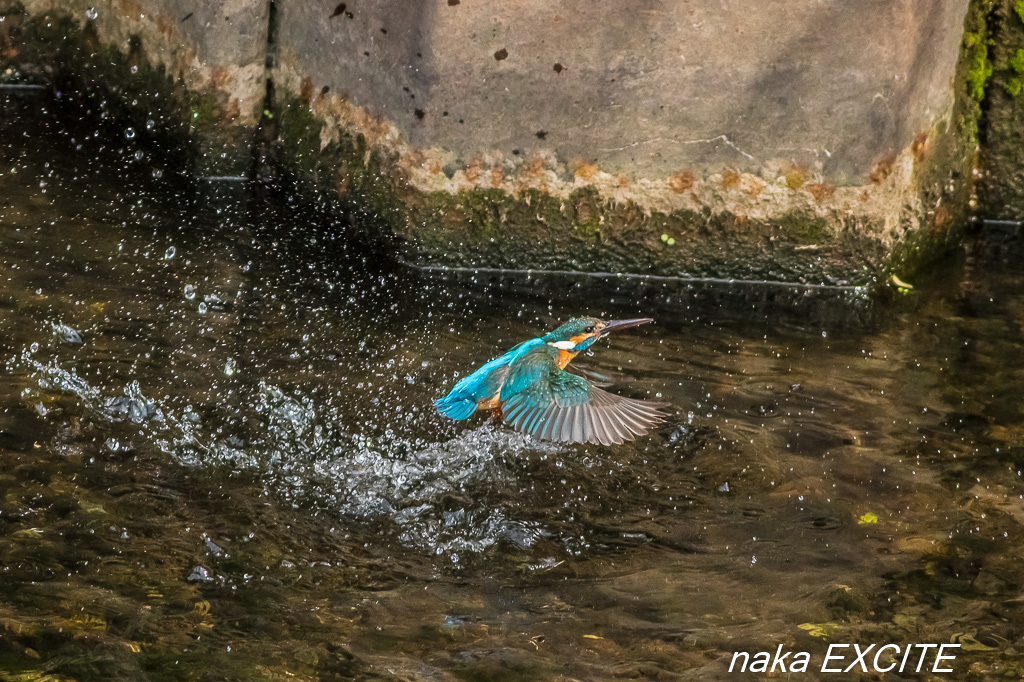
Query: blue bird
(530, 390)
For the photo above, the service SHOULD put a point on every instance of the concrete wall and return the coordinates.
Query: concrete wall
(797, 141)
(647, 87)
(816, 142)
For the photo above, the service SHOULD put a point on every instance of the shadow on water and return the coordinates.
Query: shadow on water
(219, 459)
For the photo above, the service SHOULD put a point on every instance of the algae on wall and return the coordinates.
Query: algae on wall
(338, 171)
(1001, 190)
(947, 157)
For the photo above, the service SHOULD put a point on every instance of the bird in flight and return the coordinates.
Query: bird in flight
(529, 389)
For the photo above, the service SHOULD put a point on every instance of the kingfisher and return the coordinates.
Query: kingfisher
(529, 388)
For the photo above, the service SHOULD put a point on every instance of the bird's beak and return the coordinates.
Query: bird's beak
(616, 325)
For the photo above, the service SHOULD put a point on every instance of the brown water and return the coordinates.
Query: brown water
(219, 460)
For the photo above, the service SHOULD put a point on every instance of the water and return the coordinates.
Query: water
(219, 460)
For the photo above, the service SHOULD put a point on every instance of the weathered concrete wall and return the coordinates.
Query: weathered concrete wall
(793, 142)
(828, 142)
(209, 57)
(648, 88)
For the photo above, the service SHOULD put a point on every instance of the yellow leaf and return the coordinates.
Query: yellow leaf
(822, 630)
(593, 637)
(87, 621)
(868, 518)
(28, 533)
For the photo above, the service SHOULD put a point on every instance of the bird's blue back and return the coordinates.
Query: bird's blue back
(482, 384)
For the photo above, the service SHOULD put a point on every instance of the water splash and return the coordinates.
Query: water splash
(432, 494)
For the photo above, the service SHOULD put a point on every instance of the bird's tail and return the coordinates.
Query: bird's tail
(455, 408)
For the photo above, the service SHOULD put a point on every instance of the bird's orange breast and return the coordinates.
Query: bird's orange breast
(490, 403)
(564, 358)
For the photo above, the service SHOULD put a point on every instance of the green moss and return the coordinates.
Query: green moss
(805, 230)
(299, 134)
(1016, 62)
(1019, 8)
(980, 70)
(344, 177)
(1015, 84)
(203, 111)
(971, 76)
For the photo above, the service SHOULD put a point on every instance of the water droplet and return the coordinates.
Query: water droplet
(138, 155)
(67, 334)
(135, 68)
(150, 124)
(129, 133)
(213, 547)
(230, 366)
(200, 574)
(34, 347)
(190, 292)
(168, 255)
(113, 444)
(91, 13)
(203, 308)
(157, 173)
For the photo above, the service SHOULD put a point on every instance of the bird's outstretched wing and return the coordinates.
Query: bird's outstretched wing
(551, 404)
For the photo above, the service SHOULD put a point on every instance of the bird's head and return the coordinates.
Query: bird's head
(580, 333)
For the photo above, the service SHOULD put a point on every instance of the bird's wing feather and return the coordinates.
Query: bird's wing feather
(551, 404)
(481, 384)
(599, 379)
(533, 366)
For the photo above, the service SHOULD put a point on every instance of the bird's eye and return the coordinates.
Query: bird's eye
(589, 329)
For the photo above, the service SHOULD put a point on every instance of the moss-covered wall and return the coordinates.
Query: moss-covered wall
(1001, 191)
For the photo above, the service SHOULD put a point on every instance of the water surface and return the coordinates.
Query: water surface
(219, 459)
